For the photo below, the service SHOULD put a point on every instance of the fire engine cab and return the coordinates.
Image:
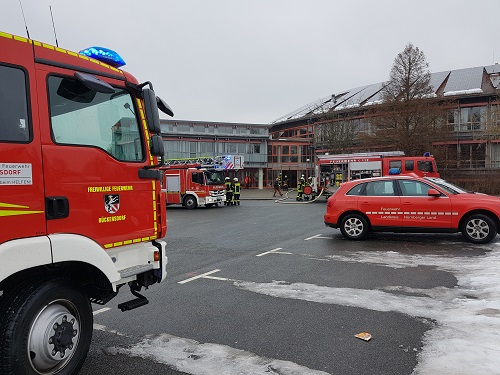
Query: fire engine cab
(82, 213)
(198, 181)
(332, 170)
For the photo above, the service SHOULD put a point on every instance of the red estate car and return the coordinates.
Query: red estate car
(412, 204)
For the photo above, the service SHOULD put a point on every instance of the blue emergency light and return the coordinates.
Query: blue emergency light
(105, 55)
(394, 171)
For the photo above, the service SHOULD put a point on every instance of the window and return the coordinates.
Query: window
(395, 164)
(254, 149)
(413, 188)
(80, 116)
(182, 128)
(409, 165)
(14, 126)
(356, 190)
(425, 166)
(197, 177)
(472, 118)
(380, 188)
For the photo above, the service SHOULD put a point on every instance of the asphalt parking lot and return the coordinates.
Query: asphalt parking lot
(266, 288)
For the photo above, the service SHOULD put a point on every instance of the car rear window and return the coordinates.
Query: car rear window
(356, 190)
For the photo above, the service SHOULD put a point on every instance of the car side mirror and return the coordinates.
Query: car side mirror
(433, 193)
(156, 145)
(151, 109)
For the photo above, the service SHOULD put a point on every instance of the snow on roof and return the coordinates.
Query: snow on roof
(467, 81)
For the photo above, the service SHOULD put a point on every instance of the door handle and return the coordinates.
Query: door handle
(56, 207)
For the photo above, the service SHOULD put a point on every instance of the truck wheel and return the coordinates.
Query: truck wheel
(354, 227)
(479, 229)
(45, 329)
(190, 202)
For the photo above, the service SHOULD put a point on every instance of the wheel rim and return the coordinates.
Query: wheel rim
(53, 337)
(353, 227)
(477, 229)
(190, 202)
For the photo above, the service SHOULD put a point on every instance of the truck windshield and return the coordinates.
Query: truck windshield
(213, 178)
(80, 116)
(425, 166)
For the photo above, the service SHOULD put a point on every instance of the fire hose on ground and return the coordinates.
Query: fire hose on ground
(282, 200)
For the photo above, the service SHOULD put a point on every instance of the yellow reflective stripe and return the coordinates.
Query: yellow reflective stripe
(6, 35)
(128, 242)
(21, 39)
(12, 205)
(15, 213)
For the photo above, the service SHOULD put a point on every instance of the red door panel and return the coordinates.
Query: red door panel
(22, 206)
(92, 152)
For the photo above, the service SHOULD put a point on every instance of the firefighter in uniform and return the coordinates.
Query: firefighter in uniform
(309, 183)
(300, 188)
(236, 191)
(229, 192)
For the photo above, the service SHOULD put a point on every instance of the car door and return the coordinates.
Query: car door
(381, 204)
(22, 207)
(421, 210)
(92, 152)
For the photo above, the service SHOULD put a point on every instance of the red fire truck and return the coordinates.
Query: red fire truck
(198, 181)
(81, 208)
(332, 170)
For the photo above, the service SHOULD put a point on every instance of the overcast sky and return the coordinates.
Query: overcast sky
(253, 61)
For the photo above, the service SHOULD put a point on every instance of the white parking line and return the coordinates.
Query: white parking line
(316, 236)
(274, 251)
(104, 309)
(205, 276)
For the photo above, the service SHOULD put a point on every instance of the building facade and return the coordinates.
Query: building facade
(290, 144)
(192, 139)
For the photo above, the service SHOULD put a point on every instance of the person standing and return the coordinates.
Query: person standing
(277, 187)
(236, 191)
(229, 192)
(285, 183)
(300, 188)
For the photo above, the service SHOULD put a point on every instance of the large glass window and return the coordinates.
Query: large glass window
(472, 118)
(14, 126)
(80, 116)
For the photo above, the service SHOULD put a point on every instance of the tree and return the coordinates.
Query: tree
(410, 116)
(338, 135)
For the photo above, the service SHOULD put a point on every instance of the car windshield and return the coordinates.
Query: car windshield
(447, 186)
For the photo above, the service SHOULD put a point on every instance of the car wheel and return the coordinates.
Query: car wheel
(479, 229)
(354, 227)
(190, 202)
(46, 329)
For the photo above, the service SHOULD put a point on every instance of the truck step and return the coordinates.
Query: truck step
(133, 304)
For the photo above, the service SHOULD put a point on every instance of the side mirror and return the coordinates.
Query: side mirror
(151, 109)
(433, 193)
(163, 106)
(156, 145)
